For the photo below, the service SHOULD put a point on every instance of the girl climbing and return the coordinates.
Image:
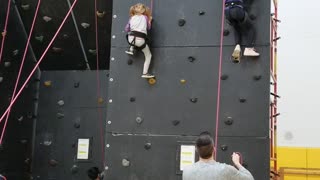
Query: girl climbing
(137, 27)
(238, 17)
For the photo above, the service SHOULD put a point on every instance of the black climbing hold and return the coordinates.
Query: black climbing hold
(39, 38)
(257, 77)
(130, 61)
(132, 99)
(53, 162)
(27, 161)
(226, 32)
(35, 99)
(20, 119)
(30, 115)
(181, 22)
(191, 58)
(74, 169)
(175, 122)
(224, 77)
(46, 18)
(77, 123)
(36, 80)
(65, 36)
(202, 13)
(224, 147)
(7, 64)
(85, 25)
(60, 115)
(253, 16)
(76, 84)
(23, 141)
(242, 100)
(228, 121)
(25, 7)
(73, 145)
(194, 100)
(57, 49)
(147, 146)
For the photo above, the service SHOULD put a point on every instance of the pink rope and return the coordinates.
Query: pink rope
(5, 29)
(219, 80)
(21, 67)
(151, 6)
(98, 85)
(39, 61)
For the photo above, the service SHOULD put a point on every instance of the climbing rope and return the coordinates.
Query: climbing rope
(4, 33)
(39, 61)
(98, 85)
(219, 80)
(21, 67)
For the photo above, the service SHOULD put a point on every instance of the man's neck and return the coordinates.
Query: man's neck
(206, 160)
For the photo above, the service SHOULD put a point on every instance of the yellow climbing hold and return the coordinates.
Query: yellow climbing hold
(100, 100)
(152, 81)
(183, 81)
(47, 83)
(101, 14)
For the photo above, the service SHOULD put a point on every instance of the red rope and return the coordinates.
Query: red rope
(219, 80)
(21, 67)
(98, 85)
(4, 33)
(39, 61)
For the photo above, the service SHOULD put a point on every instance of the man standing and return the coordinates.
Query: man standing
(207, 168)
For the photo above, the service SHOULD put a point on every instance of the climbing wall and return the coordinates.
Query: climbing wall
(16, 148)
(148, 123)
(69, 110)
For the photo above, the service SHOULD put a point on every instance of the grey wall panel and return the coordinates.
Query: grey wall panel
(161, 160)
(169, 100)
(199, 30)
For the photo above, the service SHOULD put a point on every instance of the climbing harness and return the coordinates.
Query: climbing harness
(21, 67)
(135, 35)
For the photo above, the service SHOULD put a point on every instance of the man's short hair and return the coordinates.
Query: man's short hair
(204, 145)
(93, 173)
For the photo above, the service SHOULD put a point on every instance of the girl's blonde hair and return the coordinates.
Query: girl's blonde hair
(145, 10)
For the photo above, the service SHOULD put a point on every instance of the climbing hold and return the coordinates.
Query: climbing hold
(125, 163)
(101, 14)
(29, 115)
(1, 79)
(115, 16)
(47, 83)
(139, 120)
(65, 36)
(175, 122)
(147, 146)
(7, 64)
(113, 36)
(25, 7)
(23, 141)
(60, 115)
(228, 121)
(20, 119)
(152, 81)
(110, 100)
(242, 100)
(76, 84)
(224, 147)
(4, 33)
(15, 52)
(132, 99)
(194, 100)
(181, 22)
(100, 100)
(39, 38)
(74, 169)
(57, 49)
(60, 103)
(130, 61)
(77, 123)
(53, 162)
(27, 160)
(202, 13)
(36, 80)
(183, 81)
(85, 25)
(257, 77)
(109, 122)
(226, 32)
(224, 77)
(46, 18)
(191, 58)
(92, 51)
(47, 142)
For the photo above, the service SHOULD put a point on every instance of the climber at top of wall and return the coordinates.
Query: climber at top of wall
(238, 18)
(137, 28)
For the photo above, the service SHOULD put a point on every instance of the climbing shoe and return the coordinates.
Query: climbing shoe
(236, 54)
(130, 52)
(250, 52)
(147, 76)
